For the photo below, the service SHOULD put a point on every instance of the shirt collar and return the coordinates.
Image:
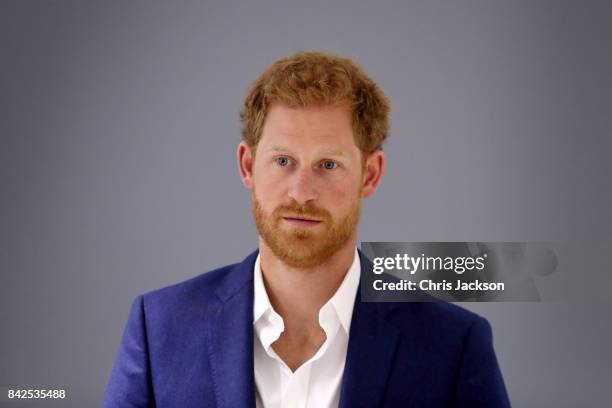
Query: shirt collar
(342, 302)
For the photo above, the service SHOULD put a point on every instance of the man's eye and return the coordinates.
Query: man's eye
(330, 165)
(283, 161)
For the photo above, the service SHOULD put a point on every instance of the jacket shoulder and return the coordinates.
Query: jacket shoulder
(198, 291)
(435, 318)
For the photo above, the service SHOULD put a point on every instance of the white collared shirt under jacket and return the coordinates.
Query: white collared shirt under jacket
(317, 382)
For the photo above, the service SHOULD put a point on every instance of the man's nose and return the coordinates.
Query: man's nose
(303, 186)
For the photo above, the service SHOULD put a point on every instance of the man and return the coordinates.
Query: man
(286, 327)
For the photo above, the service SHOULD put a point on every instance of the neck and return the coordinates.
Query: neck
(298, 294)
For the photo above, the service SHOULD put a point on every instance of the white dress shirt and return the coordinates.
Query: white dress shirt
(316, 383)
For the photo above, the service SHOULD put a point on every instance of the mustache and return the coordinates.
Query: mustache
(307, 210)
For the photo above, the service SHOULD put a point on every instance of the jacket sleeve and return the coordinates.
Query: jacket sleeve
(130, 380)
(480, 381)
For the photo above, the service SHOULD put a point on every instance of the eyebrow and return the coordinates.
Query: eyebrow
(325, 152)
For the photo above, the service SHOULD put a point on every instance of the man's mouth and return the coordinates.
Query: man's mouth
(300, 221)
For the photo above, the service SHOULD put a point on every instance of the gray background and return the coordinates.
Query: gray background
(119, 122)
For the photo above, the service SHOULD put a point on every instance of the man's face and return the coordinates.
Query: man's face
(307, 183)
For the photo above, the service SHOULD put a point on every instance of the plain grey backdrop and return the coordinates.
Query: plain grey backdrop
(118, 129)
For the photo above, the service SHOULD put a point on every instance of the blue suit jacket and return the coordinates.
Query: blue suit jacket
(191, 345)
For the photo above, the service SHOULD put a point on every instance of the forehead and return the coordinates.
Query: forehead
(326, 126)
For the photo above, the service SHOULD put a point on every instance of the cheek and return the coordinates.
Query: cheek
(268, 193)
(342, 196)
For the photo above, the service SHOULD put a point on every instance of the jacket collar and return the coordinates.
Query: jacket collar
(230, 338)
(371, 350)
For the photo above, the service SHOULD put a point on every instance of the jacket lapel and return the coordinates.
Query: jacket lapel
(230, 336)
(371, 348)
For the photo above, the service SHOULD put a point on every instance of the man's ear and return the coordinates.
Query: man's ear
(373, 172)
(245, 157)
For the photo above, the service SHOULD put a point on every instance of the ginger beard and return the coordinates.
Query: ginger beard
(305, 247)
